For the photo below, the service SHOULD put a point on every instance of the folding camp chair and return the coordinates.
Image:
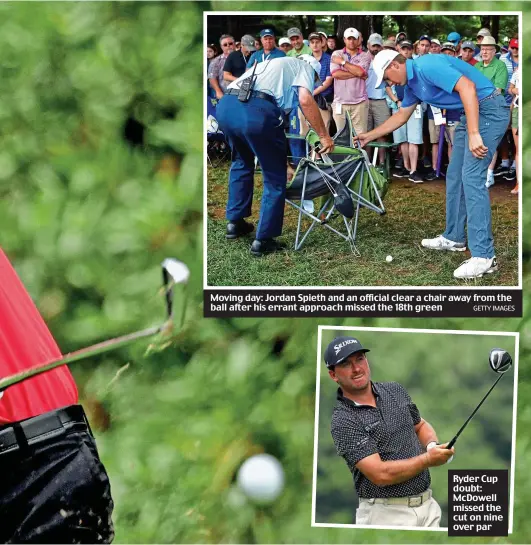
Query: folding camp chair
(218, 149)
(348, 166)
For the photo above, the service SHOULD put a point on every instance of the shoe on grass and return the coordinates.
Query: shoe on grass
(442, 243)
(476, 267)
(266, 246)
(238, 228)
(432, 175)
(401, 172)
(415, 177)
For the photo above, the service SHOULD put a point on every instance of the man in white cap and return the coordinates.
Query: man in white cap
(349, 68)
(481, 35)
(252, 121)
(285, 45)
(435, 46)
(449, 83)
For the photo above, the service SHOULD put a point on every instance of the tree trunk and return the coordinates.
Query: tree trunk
(377, 24)
(302, 26)
(359, 22)
(495, 31)
(312, 25)
(485, 21)
(401, 21)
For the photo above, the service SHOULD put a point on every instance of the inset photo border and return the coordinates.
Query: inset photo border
(445, 373)
(387, 250)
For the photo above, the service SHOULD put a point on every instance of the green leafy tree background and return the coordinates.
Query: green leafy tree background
(101, 178)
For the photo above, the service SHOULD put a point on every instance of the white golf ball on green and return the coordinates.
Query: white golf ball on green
(389, 258)
(261, 478)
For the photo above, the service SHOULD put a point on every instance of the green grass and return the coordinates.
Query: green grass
(413, 212)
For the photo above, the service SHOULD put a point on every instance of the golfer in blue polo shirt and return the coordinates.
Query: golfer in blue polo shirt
(452, 84)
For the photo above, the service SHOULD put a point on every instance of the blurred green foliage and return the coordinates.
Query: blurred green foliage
(86, 215)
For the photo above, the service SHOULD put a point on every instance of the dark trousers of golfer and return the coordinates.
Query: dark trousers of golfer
(53, 489)
(467, 198)
(255, 128)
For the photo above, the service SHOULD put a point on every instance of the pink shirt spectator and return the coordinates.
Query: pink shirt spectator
(352, 90)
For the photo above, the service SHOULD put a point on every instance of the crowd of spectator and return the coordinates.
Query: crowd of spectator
(346, 87)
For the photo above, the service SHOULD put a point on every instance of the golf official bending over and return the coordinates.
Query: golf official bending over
(53, 488)
(449, 83)
(388, 447)
(253, 123)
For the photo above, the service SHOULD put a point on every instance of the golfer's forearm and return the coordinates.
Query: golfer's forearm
(426, 434)
(399, 471)
(469, 98)
(393, 123)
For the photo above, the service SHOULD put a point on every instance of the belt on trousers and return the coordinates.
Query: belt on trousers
(41, 428)
(495, 93)
(255, 94)
(410, 501)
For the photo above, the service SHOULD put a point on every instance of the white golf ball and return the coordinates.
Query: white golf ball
(261, 478)
(389, 258)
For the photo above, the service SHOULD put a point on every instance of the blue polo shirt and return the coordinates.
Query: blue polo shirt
(260, 56)
(432, 78)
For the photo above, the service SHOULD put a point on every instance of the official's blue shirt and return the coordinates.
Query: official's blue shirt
(260, 56)
(432, 78)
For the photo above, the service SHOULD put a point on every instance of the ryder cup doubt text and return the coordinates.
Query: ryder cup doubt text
(478, 503)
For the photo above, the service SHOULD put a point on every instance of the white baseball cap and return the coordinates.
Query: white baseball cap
(435, 41)
(283, 41)
(381, 62)
(312, 61)
(351, 32)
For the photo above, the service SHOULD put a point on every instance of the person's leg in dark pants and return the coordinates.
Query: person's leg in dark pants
(265, 136)
(232, 120)
(55, 492)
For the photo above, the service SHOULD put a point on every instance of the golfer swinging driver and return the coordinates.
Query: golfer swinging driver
(388, 447)
(452, 84)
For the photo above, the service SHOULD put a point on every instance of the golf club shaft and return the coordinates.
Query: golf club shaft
(452, 442)
(94, 350)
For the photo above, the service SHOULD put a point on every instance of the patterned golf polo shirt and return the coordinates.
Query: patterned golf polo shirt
(387, 429)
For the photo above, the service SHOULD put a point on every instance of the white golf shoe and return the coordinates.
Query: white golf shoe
(441, 243)
(476, 267)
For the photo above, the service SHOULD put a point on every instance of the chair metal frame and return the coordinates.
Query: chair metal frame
(327, 209)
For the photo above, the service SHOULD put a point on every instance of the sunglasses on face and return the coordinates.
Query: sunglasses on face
(227, 44)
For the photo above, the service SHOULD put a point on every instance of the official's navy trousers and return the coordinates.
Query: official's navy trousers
(255, 128)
